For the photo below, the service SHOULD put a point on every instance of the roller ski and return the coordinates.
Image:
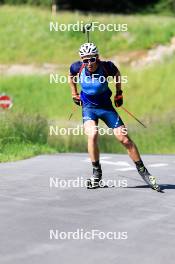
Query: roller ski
(95, 181)
(149, 179)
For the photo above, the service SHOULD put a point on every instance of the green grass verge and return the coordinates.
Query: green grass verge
(25, 35)
(22, 136)
(17, 151)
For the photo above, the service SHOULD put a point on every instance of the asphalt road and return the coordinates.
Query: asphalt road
(37, 216)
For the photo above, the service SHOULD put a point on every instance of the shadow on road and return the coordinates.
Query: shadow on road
(162, 186)
(167, 186)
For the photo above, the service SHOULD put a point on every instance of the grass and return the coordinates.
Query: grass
(22, 136)
(34, 94)
(17, 151)
(17, 45)
(150, 92)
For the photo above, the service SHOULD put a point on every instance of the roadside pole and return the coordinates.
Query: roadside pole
(54, 7)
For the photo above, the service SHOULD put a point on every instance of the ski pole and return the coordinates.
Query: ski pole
(74, 108)
(86, 29)
(133, 116)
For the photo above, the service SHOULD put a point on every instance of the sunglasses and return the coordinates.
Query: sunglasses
(86, 61)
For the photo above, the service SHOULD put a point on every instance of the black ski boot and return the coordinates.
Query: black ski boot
(94, 181)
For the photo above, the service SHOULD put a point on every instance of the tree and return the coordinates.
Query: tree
(166, 5)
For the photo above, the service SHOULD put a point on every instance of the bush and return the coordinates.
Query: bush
(16, 128)
(167, 6)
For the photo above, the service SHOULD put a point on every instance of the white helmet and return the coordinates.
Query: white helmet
(88, 49)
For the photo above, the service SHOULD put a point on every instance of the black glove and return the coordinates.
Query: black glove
(118, 98)
(76, 99)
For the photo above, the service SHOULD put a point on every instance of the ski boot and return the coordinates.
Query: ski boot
(94, 181)
(149, 179)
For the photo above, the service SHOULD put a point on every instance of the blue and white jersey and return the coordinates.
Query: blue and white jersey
(95, 91)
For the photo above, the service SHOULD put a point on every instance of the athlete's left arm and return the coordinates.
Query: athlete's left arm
(114, 71)
(118, 82)
(118, 98)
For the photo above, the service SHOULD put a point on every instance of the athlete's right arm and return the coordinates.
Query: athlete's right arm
(73, 85)
(74, 70)
(75, 94)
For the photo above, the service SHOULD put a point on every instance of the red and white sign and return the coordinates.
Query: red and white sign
(5, 102)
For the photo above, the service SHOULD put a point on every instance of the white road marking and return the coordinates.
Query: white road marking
(126, 169)
(155, 165)
(126, 165)
(105, 157)
(14, 198)
(116, 163)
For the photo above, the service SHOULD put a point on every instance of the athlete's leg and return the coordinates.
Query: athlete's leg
(91, 130)
(135, 156)
(113, 120)
(122, 135)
